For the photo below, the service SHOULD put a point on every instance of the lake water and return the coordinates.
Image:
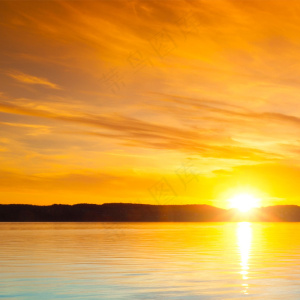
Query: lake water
(149, 261)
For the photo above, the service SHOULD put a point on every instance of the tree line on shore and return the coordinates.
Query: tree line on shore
(126, 212)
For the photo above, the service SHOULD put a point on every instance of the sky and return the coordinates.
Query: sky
(159, 102)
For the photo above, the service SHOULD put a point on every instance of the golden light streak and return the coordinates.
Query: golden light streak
(244, 239)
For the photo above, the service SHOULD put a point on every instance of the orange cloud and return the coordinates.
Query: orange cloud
(25, 78)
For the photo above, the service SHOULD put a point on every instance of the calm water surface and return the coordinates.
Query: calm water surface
(149, 261)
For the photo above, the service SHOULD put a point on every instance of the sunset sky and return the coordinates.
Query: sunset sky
(160, 102)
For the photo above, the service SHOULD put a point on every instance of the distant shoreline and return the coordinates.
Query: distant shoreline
(127, 212)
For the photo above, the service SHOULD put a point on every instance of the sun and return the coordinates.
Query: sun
(244, 202)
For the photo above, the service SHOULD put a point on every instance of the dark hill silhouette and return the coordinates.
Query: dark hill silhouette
(123, 212)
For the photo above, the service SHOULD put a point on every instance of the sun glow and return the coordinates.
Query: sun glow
(244, 202)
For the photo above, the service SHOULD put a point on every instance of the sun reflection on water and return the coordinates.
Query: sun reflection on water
(244, 238)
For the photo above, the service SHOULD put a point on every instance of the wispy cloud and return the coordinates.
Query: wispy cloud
(138, 133)
(33, 129)
(29, 79)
